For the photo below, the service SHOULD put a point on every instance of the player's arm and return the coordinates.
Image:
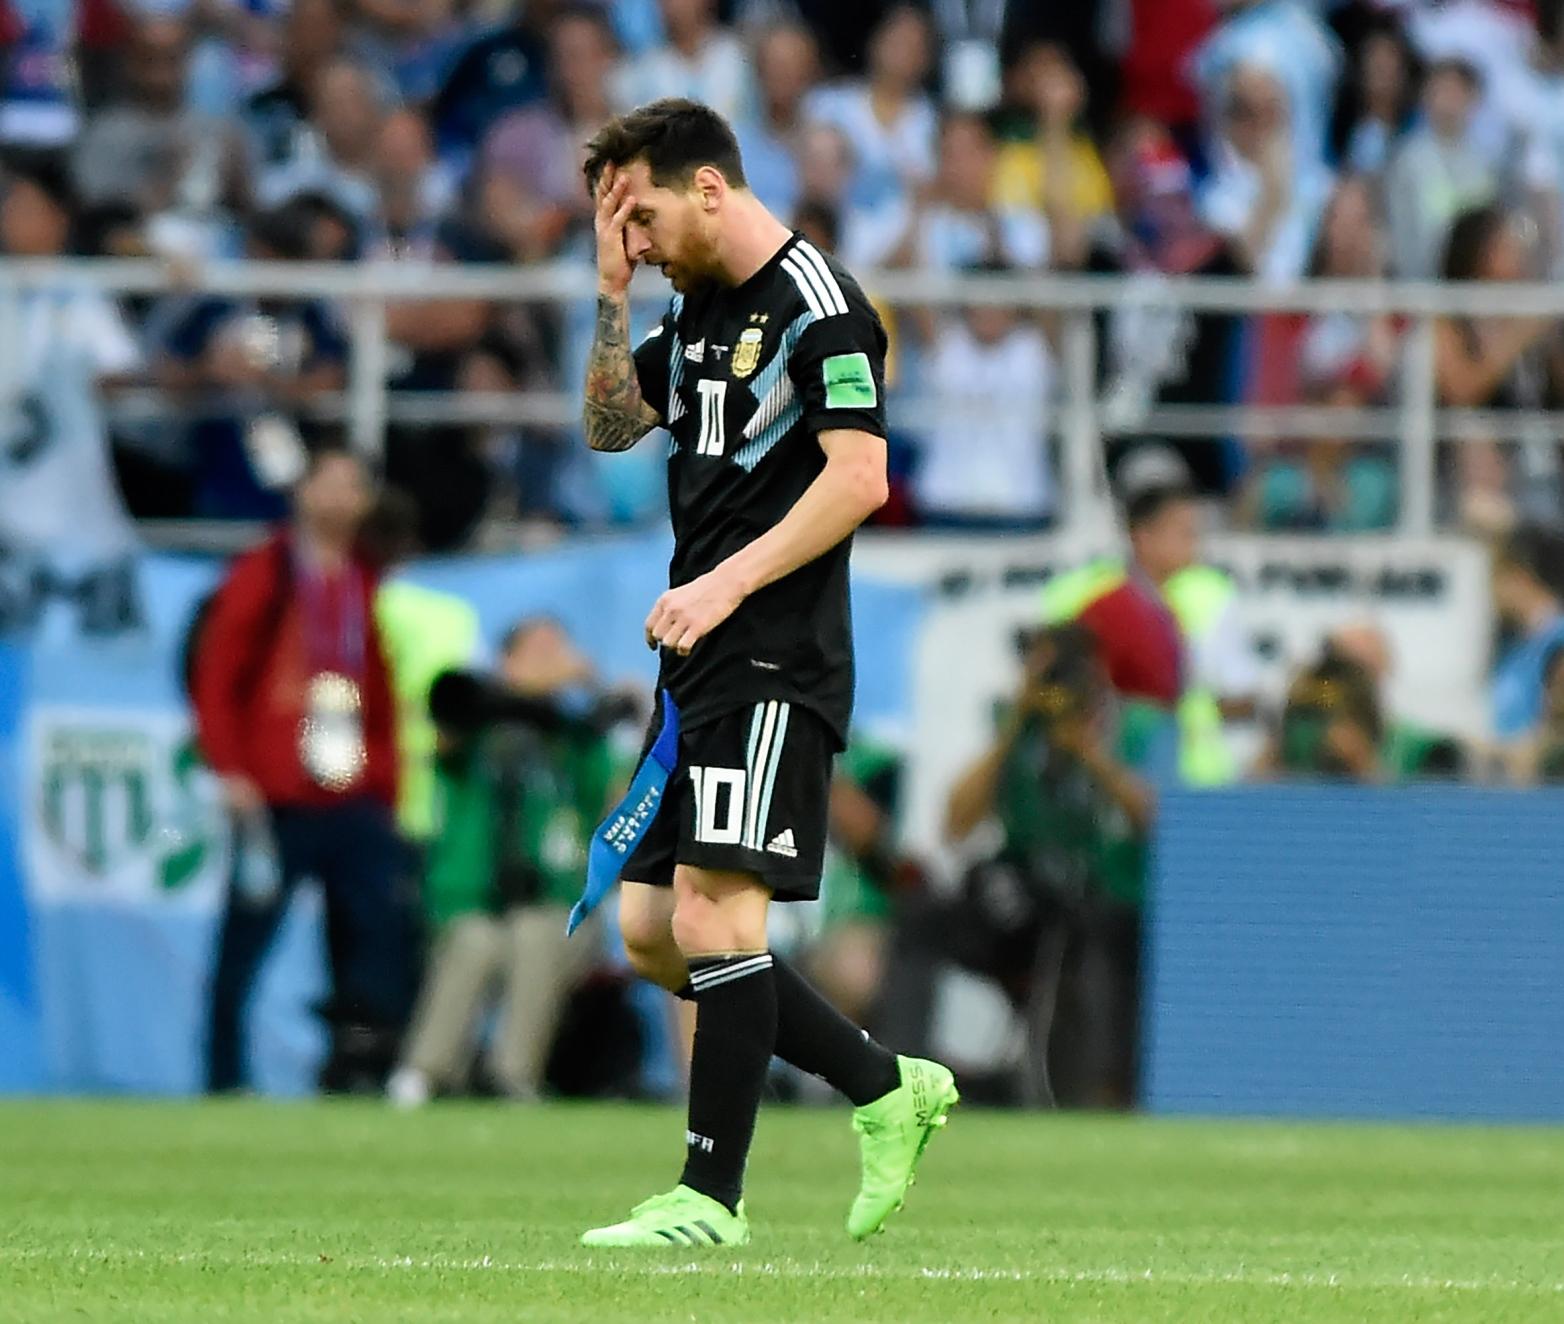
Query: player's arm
(850, 488)
(616, 414)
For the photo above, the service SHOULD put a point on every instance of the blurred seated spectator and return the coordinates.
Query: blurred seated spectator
(866, 235)
(1496, 37)
(699, 59)
(1048, 164)
(1528, 600)
(1345, 359)
(277, 116)
(983, 451)
(1123, 605)
(1377, 101)
(334, 156)
(954, 224)
(500, 71)
(60, 508)
(1542, 134)
(787, 68)
(521, 787)
(184, 171)
(1051, 913)
(1285, 43)
(1331, 725)
(411, 41)
(1436, 173)
(248, 368)
(1262, 194)
(1153, 352)
(530, 164)
(1497, 363)
(1548, 757)
(889, 121)
(430, 338)
(1408, 750)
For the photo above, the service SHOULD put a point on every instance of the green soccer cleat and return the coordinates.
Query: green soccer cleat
(893, 1133)
(680, 1217)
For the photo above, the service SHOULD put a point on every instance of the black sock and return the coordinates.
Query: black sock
(735, 1034)
(815, 1037)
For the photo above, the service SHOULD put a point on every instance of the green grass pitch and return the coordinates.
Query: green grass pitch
(174, 1213)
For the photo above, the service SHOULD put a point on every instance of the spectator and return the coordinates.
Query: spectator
(1548, 763)
(520, 796)
(1496, 362)
(334, 157)
(1331, 726)
(1069, 779)
(529, 173)
(955, 224)
(430, 338)
(867, 235)
(1377, 101)
(887, 118)
(1528, 585)
(1283, 41)
(412, 42)
(295, 714)
(983, 457)
(150, 153)
(1436, 174)
(1154, 74)
(1053, 168)
(277, 116)
(1542, 160)
(500, 71)
(1152, 353)
(248, 366)
(700, 59)
(787, 67)
(59, 506)
(1345, 359)
(1124, 606)
(1261, 195)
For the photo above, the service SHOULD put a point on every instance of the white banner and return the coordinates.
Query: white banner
(120, 810)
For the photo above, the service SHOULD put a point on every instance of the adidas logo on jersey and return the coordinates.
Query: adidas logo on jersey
(695, 353)
(783, 844)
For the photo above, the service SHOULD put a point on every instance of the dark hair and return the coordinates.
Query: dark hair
(1146, 505)
(46, 171)
(389, 534)
(285, 231)
(1538, 551)
(1349, 97)
(675, 137)
(1468, 239)
(823, 217)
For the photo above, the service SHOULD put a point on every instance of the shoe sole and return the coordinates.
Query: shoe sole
(938, 1116)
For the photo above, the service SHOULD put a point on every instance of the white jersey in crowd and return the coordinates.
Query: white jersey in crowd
(58, 495)
(985, 450)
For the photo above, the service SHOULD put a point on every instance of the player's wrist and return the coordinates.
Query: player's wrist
(608, 289)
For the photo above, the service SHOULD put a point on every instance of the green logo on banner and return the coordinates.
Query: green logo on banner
(849, 382)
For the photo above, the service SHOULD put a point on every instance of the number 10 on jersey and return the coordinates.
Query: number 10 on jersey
(713, 395)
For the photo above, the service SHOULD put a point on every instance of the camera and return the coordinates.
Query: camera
(1335, 689)
(468, 702)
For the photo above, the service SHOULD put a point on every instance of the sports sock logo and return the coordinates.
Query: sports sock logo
(703, 1143)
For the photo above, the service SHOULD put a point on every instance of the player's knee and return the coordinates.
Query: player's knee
(649, 945)
(732, 920)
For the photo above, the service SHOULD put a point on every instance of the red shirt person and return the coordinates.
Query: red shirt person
(294, 712)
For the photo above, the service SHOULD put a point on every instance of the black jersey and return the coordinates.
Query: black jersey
(744, 378)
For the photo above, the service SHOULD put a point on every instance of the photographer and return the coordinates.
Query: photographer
(1332, 725)
(523, 777)
(1053, 914)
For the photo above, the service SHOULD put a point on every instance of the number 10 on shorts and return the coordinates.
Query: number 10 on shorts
(719, 805)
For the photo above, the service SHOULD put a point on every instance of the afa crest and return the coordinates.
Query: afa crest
(746, 354)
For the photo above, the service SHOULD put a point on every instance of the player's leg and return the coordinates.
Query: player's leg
(646, 925)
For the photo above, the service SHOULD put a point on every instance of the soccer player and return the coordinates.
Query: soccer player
(768, 372)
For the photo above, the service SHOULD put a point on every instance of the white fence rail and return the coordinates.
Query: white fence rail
(365, 290)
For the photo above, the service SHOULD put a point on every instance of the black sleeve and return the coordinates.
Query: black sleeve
(838, 370)
(651, 363)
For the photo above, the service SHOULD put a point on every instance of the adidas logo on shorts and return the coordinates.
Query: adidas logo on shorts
(783, 844)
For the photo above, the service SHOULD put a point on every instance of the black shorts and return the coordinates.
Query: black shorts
(751, 793)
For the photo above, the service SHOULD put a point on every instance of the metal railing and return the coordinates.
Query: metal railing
(1416, 423)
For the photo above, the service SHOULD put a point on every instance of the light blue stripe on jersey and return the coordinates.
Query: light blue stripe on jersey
(675, 365)
(777, 408)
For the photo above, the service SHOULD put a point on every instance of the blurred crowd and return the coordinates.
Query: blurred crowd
(1268, 139)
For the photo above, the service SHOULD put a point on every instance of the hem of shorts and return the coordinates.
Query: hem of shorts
(785, 884)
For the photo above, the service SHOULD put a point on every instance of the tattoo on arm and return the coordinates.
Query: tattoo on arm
(616, 416)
